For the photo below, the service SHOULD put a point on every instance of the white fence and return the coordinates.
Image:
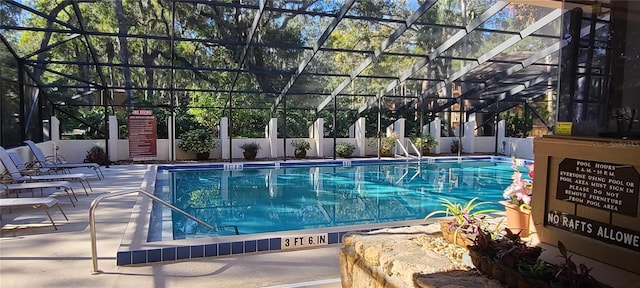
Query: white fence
(76, 150)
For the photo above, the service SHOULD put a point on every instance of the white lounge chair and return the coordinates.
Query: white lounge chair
(44, 203)
(27, 168)
(17, 177)
(54, 163)
(65, 186)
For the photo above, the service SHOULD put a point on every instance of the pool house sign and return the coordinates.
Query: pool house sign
(606, 186)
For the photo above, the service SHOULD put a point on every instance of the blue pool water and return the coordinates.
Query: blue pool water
(258, 200)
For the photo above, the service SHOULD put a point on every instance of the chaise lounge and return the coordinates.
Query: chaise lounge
(15, 175)
(44, 162)
(44, 203)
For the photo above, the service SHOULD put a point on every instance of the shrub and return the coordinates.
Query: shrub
(345, 149)
(250, 146)
(197, 140)
(301, 144)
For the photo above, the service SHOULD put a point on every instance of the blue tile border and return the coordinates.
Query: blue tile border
(263, 245)
(123, 258)
(139, 257)
(274, 244)
(224, 249)
(237, 247)
(154, 255)
(169, 253)
(210, 250)
(250, 246)
(216, 249)
(184, 252)
(197, 251)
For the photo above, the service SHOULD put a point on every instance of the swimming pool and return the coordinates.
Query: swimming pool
(299, 204)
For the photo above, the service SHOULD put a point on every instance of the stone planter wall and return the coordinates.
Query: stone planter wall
(401, 258)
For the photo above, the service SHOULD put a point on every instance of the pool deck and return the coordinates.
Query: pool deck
(33, 254)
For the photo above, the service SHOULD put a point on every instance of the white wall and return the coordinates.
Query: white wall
(485, 144)
(519, 147)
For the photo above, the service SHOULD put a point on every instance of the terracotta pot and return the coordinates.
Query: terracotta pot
(202, 156)
(517, 219)
(300, 153)
(249, 155)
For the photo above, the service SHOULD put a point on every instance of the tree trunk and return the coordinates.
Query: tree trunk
(123, 28)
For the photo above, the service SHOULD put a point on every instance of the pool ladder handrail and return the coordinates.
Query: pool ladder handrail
(404, 150)
(92, 218)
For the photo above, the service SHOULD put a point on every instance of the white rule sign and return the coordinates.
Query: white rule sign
(304, 241)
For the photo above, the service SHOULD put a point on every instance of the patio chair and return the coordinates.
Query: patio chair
(65, 186)
(15, 175)
(27, 168)
(44, 203)
(56, 163)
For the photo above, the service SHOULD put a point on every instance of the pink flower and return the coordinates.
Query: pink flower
(520, 190)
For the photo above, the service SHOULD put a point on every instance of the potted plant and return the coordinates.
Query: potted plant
(425, 143)
(455, 145)
(250, 150)
(466, 219)
(301, 146)
(518, 200)
(96, 155)
(200, 141)
(512, 251)
(386, 144)
(345, 149)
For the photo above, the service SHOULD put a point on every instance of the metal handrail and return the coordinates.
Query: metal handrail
(92, 218)
(406, 153)
(415, 148)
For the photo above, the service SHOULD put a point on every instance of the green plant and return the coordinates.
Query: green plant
(250, 146)
(512, 250)
(345, 149)
(96, 154)
(539, 269)
(425, 142)
(466, 217)
(568, 274)
(387, 143)
(455, 145)
(625, 117)
(301, 144)
(517, 126)
(197, 140)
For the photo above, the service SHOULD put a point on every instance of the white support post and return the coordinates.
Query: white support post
(503, 145)
(468, 141)
(224, 138)
(113, 138)
(317, 134)
(272, 135)
(398, 128)
(172, 138)
(55, 129)
(434, 127)
(361, 139)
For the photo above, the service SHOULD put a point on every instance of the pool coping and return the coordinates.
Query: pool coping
(134, 249)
